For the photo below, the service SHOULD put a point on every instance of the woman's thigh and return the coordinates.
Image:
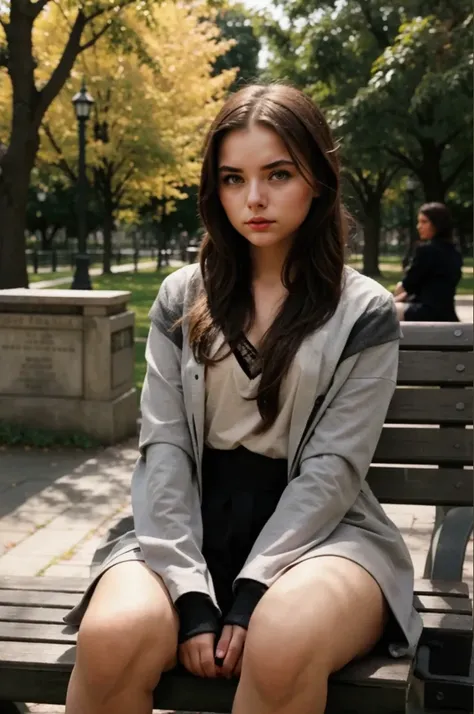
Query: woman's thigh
(130, 622)
(327, 609)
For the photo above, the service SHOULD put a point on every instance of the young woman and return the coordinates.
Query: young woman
(270, 370)
(427, 291)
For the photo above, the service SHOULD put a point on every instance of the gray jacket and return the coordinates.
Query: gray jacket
(340, 408)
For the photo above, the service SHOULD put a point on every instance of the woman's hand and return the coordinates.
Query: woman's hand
(399, 293)
(230, 649)
(197, 655)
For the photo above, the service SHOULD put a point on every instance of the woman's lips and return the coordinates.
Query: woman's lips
(260, 225)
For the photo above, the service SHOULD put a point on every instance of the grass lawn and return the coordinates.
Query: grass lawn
(144, 288)
(37, 277)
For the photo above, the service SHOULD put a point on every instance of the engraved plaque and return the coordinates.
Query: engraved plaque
(40, 362)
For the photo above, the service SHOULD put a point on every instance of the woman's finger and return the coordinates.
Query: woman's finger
(206, 655)
(223, 644)
(234, 650)
(185, 659)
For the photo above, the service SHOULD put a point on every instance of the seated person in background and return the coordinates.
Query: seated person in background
(427, 291)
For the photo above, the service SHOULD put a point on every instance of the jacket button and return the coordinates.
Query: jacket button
(196, 376)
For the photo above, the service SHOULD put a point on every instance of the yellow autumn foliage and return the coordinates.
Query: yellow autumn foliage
(154, 88)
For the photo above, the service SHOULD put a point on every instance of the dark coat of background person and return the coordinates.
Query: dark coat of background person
(431, 281)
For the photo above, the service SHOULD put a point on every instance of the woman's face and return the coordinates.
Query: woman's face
(425, 228)
(265, 197)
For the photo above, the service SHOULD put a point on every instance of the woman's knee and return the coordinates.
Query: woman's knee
(281, 651)
(125, 641)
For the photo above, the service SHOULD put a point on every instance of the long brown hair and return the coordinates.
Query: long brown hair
(313, 271)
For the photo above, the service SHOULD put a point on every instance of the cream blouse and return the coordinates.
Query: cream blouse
(231, 419)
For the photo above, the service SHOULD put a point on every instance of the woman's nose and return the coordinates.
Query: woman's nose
(256, 196)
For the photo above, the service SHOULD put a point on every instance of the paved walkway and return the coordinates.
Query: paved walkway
(55, 506)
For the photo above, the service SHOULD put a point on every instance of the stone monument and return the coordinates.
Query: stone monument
(66, 361)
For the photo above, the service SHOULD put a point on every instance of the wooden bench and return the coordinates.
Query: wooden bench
(424, 457)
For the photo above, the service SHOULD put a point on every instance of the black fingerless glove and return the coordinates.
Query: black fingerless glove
(247, 595)
(197, 615)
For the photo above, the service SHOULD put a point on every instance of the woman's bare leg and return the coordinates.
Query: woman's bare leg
(316, 618)
(400, 308)
(127, 638)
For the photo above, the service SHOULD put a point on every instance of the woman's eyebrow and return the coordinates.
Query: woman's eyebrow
(272, 165)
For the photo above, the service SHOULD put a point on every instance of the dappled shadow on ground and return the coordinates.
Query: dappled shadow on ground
(35, 483)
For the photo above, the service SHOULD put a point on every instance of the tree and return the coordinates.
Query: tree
(236, 24)
(149, 114)
(394, 84)
(29, 103)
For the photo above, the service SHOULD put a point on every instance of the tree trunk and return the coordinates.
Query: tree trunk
(430, 172)
(107, 229)
(108, 225)
(16, 168)
(371, 249)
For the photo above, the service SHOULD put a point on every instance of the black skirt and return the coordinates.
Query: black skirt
(241, 490)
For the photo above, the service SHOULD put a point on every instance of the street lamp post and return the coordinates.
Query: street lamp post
(412, 235)
(82, 102)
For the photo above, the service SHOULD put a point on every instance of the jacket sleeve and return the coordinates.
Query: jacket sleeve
(420, 266)
(165, 497)
(333, 465)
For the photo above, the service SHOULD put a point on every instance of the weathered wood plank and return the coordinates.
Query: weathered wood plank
(422, 486)
(41, 599)
(32, 614)
(58, 632)
(54, 644)
(53, 584)
(360, 692)
(423, 586)
(414, 405)
(437, 335)
(41, 655)
(435, 368)
(443, 604)
(34, 632)
(416, 445)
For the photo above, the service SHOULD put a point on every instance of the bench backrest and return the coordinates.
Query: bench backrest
(425, 453)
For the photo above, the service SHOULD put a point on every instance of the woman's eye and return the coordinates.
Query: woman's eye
(281, 175)
(231, 179)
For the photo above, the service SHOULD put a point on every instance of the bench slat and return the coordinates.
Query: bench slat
(32, 633)
(41, 599)
(32, 614)
(431, 406)
(439, 334)
(415, 445)
(424, 586)
(51, 583)
(421, 486)
(435, 368)
(362, 686)
(440, 604)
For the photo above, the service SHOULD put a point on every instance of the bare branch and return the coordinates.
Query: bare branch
(94, 38)
(38, 6)
(403, 159)
(356, 186)
(119, 189)
(63, 68)
(62, 163)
